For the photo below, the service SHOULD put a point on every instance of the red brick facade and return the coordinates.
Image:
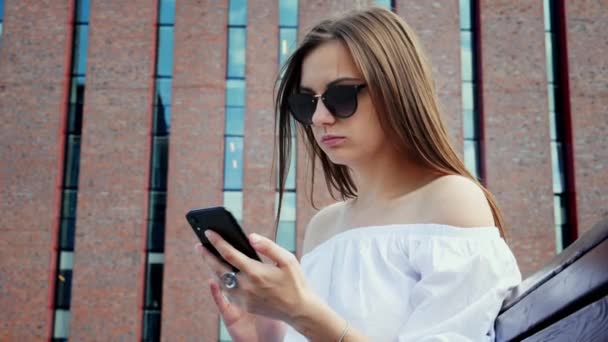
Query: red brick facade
(110, 252)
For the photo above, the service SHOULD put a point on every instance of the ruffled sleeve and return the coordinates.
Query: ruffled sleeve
(463, 282)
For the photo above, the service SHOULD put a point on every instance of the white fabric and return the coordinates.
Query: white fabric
(414, 282)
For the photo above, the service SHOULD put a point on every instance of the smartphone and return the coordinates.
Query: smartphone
(222, 222)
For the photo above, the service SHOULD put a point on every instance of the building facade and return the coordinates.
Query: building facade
(120, 116)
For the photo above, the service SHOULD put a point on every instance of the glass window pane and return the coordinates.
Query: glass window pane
(74, 125)
(465, 14)
(384, 3)
(286, 235)
(547, 14)
(237, 14)
(72, 162)
(551, 97)
(470, 124)
(558, 167)
(66, 240)
(467, 96)
(160, 157)
(235, 120)
(163, 92)
(164, 62)
(466, 54)
(68, 209)
(224, 335)
(553, 126)
(288, 12)
(166, 13)
(62, 323)
(288, 38)
(83, 11)
(559, 209)
(81, 42)
(66, 260)
(235, 93)
(559, 238)
(77, 90)
(156, 236)
(157, 205)
(162, 120)
(470, 157)
(233, 202)
(63, 292)
(549, 39)
(154, 282)
(290, 183)
(233, 163)
(151, 325)
(236, 52)
(288, 207)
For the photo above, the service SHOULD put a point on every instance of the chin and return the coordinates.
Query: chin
(338, 158)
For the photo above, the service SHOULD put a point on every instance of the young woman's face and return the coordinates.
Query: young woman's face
(347, 141)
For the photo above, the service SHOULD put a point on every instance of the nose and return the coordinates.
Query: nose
(322, 116)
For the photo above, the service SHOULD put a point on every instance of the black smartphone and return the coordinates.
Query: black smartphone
(222, 222)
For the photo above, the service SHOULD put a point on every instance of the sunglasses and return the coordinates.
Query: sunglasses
(339, 99)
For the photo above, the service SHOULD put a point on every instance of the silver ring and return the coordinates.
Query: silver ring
(229, 280)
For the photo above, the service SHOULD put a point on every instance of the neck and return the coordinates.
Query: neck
(387, 177)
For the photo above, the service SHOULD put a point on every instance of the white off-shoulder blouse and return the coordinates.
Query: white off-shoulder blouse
(414, 282)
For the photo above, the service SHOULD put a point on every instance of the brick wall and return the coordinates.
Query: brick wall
(518, 158)
(34, 56)
(109, 256)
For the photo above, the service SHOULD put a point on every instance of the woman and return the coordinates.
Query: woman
(414, 250)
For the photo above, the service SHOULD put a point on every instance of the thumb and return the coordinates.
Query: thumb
(268, 248)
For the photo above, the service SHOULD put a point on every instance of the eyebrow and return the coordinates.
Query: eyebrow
(337, 80)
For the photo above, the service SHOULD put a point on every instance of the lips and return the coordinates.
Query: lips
(330, 137)
(332, 140)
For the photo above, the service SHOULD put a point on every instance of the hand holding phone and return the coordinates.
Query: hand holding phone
(223, 223)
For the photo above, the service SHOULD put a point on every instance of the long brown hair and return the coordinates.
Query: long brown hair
(394, 66)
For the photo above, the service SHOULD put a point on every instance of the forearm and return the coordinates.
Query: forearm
(318, 322)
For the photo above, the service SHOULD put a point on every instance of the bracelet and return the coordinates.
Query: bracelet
(344, 331)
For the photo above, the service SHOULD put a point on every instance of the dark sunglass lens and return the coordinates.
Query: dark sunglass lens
(302, 107)
(341, 100)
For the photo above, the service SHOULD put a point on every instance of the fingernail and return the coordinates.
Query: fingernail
(255, 238)
(209, 234)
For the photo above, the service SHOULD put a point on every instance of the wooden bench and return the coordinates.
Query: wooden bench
(566, 300)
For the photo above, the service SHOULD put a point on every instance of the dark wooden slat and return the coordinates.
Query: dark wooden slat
(589, 324)
(576, 250)
(580, 283)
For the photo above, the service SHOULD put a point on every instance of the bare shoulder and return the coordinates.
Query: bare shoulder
(320, 225)
(458, 201)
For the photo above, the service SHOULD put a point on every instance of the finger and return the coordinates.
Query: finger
(229, 253)
(213, 263)
(218, 297)
(268, 248)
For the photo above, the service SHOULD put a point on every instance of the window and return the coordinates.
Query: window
(233, 163)
(1, 18)
(470, 110)
(288, 37)
(564, 226)
(159, 160)
(234, 129)
(71, 162)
